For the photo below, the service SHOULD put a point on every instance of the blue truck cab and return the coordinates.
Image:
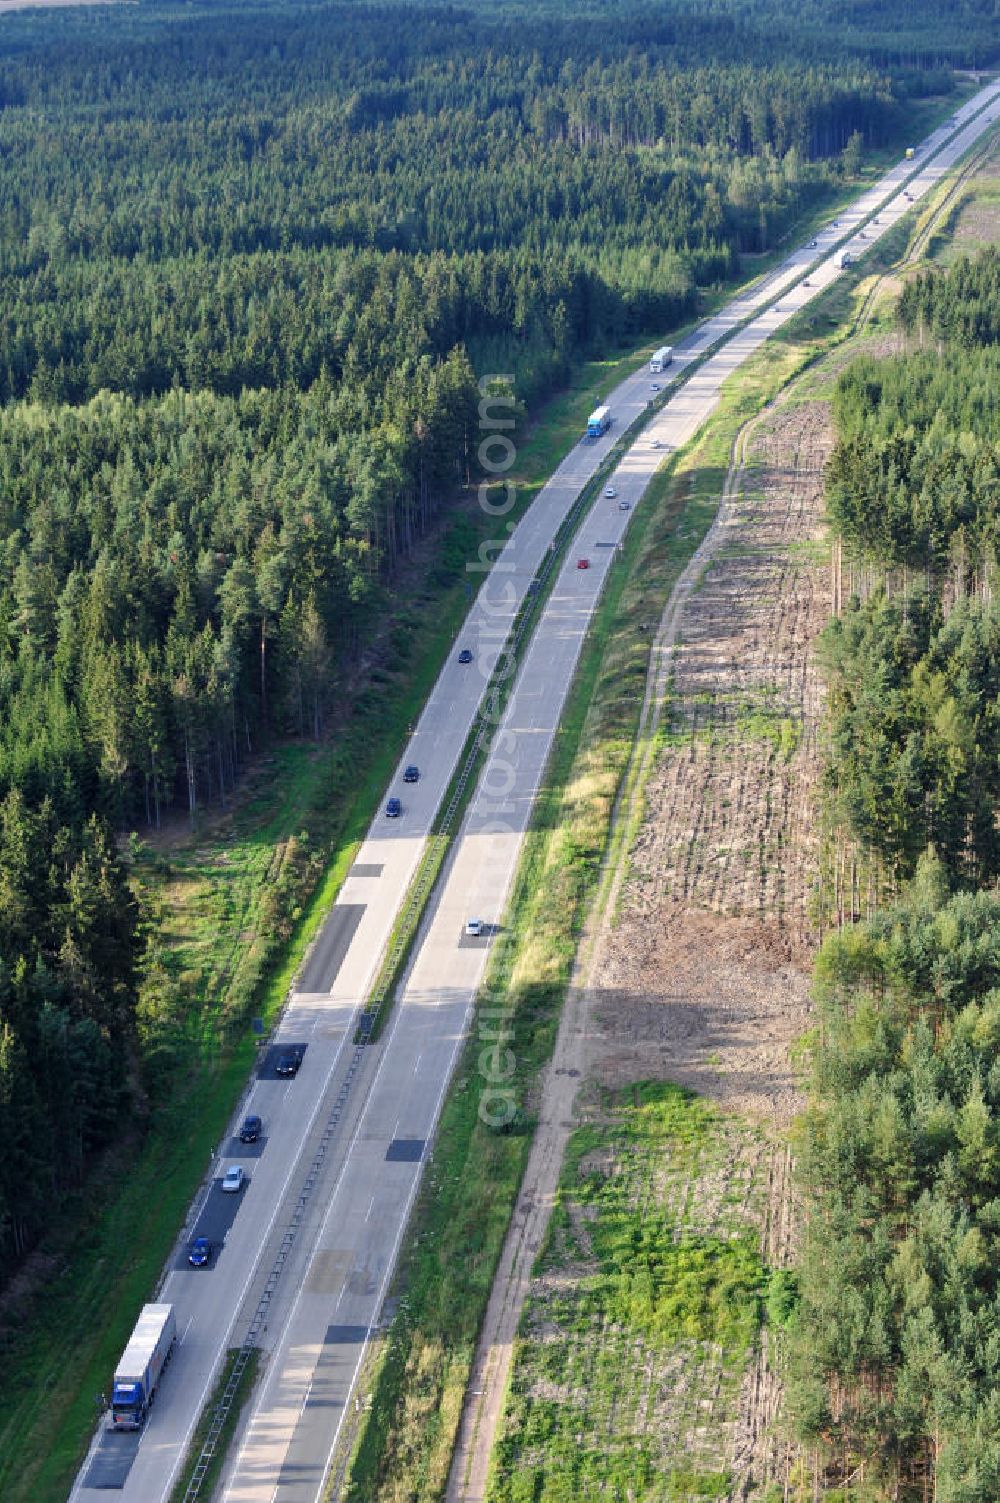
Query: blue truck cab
(143, 1360)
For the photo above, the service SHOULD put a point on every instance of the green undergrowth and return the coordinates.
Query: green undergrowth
(645, 1307)
(779, 731)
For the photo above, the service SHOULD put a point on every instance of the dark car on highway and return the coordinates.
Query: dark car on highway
(393, 809)
(288, 1064)
(465, 656)
(411, 774)
(200, 1252)
(251, 1129)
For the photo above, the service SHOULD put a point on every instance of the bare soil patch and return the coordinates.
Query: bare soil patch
(978, 224)
(730, 1004)
(703, 978)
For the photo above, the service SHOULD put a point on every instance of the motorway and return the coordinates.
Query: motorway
(352, 1216)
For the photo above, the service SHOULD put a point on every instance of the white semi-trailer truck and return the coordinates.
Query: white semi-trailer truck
(142, 1362)
(661, 359)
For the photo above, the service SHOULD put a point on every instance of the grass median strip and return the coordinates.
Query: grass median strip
(214, 1470)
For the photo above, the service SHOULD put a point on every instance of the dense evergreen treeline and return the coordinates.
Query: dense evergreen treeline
(914, 489)
(913, 481)
(896, 1356)
(914, 753)
(252, 261)
(69, 951)
(180, 570)
(962, 306)
(896, 33)
(896, 1361)
(165, 199)
(275, 318)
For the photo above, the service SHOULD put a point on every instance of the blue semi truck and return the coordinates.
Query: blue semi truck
(143, 1360)
(599, 422)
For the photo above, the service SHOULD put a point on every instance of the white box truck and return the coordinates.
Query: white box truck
(599, 422)
(142, 1362)
(846, 258)
(661, 359)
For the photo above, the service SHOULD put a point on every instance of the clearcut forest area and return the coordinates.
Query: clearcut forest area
(254, 262)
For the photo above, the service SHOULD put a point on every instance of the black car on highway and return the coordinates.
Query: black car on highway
(251, 1129)
(288, 1065)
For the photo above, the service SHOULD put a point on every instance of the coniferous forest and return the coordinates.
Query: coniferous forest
(252, 265)
(896, 1358)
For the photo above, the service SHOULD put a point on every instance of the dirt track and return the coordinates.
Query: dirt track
(699, 971)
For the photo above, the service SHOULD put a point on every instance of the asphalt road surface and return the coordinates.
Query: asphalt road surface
(355, 1208)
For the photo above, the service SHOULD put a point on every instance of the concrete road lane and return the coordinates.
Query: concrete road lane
(351, 1244)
